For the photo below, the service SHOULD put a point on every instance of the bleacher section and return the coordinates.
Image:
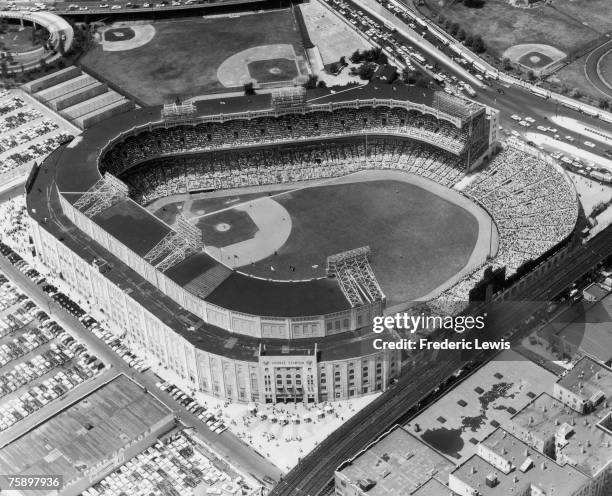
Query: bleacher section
(78, 96)
(531, 203)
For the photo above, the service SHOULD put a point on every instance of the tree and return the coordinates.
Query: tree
(356, 57)
(366, 71)
(249, 89)
(507, 64)
(531, 75)
(454, 29)
(461, 34)
(3, 69)
(604, 103)
(575, 93)
(409, 76)
(321, 84)
(372, 55)
(343, 61)
(312, 82)
(478, 44)
(469, 40)
(441, 19)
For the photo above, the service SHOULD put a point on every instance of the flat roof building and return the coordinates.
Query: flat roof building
(397, 463)
(504, 465)
(456, 422)
(564, 434)
(90, 437)
(586, 385)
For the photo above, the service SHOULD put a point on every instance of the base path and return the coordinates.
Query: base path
(234, 70)
(274, 226)
(142, 34)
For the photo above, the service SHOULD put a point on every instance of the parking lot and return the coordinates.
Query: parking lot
(39, 361)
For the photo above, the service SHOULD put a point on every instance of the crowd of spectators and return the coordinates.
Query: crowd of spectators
(248, 167)
(532, 203)
(286, 128)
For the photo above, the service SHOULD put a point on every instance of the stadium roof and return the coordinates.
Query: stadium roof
(285, 298)
(87, 432)
(120, 219)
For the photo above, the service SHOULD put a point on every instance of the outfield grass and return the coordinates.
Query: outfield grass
(418, 239)
(183, 57)
(560, 24)
(573, 76)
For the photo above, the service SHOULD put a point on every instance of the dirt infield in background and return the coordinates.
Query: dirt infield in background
(534, 56)
(259, 63)
(183, 57)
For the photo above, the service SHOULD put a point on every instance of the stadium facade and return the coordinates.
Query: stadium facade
(235, 336)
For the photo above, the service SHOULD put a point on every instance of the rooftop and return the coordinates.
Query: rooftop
(541, 472)
(587, 378)
(588, 448)
(589, 330)
(457, 421)
(86, 432)
(596, 292)
(433, 487)
(398, 463)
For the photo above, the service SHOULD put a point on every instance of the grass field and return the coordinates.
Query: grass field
(572, 76)
(564, 24)
(183, 57)
(418, 240)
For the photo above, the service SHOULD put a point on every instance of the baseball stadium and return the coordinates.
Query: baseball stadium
(248, 242)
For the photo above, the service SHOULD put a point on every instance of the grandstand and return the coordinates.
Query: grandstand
(226, 331)
(530, 202)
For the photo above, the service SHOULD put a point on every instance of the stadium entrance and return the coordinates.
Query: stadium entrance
(289, 379)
